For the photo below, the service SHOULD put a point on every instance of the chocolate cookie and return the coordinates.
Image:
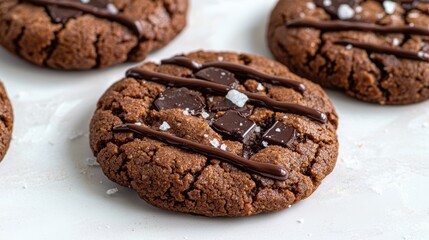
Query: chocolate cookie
(85, 34)
(6, 121)
(375, 51)
(216, 134)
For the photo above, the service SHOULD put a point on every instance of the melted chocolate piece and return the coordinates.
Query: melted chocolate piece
(237, 69)
(335, 26)
(280, 134)
(332, 9)
(234, 125)
(421, 56)
(264, 169)
(217, 75)
(92, 8)
(181, 98)
(210, 88)
(61, 14)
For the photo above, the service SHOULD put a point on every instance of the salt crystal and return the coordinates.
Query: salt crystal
(220, 58)
(85, 1)
(389, 7)
(396, 42)
(138, 123)
(345, 12)
(358, 9)
(327, 3)
(260, 87)
(257, 129)
(164, 126)
(112, 191)
(214, 142)
(311, 5)
(206, 135)
(349, 47)
(111, 8)
(205, 115)
(265, 143)
(413, 15)
(186, 112)
(278, 130)
(421, 54)
(237, 98)
(223, 147)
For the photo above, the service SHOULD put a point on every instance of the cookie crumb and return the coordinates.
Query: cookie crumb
(345, 12)
(75, 135)
(389, 7)
(237, 98)
(300, 220)
(112, 191)
(164, 126)
(92, 162)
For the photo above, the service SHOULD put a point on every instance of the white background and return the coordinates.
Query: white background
(378, 190)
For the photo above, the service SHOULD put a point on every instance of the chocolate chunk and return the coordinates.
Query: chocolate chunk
(332, 8)
(217, 75)
(62, 14)
(225, 105)
(280, 134)
(234, 125)
(181, 98)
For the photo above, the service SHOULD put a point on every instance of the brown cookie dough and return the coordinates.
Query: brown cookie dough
(104, 33)
(173, 178)
(375, 51)
(6, 121)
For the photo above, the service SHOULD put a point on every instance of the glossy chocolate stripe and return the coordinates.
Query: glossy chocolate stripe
(211, 87)
(237, 69)
(335, 26)
(421, 56)
(265, 169)
(132, 24)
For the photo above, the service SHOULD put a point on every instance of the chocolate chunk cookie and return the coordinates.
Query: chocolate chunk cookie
(86, 34)
(6, 121)
(216, 134)
(375, 51)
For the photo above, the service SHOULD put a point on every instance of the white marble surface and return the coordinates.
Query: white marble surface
(379, 189)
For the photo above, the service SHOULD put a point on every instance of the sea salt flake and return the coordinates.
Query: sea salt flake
(278, 130)
(260, 87)
(214, 142)
(164, 126)
(186, 112)
(111, 8)
(421, 54)
(396, 42)
(349, 47)
(257, 129)
(265, 143)
(112, 191)
(223, 147)
(358, 9)
(206, 135)
(413, 15)
(138, 123)
(237, 98)
(311, 5)
(205, 115)
(389, 7)
(345, 12)
(327, 3)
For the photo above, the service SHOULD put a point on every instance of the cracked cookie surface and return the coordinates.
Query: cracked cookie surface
(6, 121)
(180, 180)
(367, 74)
(84, 41)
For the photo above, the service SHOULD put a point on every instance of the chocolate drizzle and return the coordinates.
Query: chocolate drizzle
(211, 87)
(337, 25)
(421, 56)
(237, 69)
(265, 169)
(132, 24)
